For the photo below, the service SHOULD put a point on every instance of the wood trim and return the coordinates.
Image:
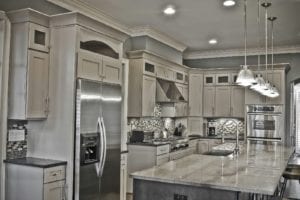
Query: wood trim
(238, 52)
(99, 15)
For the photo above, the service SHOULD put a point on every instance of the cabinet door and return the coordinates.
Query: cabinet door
(54, 191)
(89, 66)
(222, 101)
(37, 85)
(278, 80)
(209, 101)
(148, 96)
(209, 79)
(123, 176)
(253, 97)
(38, 37)
(195, 94)
(237, 102)
(179, 77)
(112, 70)
(222, 79)
(183, 89)
(149, 68)
(213, 143)
(195, 125)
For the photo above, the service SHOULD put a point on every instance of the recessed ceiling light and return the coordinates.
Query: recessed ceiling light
(170, 10)
(228, 3)
(213, 41)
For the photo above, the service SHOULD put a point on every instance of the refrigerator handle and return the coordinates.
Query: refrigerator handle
(104, 145)
(100, 136)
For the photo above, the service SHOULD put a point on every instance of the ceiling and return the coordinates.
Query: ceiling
(196, 21)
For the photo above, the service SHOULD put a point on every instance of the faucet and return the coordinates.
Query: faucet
(237, 148)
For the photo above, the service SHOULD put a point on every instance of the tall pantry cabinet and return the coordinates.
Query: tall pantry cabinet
(29, 65)
(80, 47)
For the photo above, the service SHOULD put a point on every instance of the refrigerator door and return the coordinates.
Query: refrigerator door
(88, 122)
(111, 119)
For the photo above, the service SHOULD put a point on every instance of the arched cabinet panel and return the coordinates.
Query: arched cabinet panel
(99, 48)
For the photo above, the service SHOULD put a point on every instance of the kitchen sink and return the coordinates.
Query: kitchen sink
(218, 153)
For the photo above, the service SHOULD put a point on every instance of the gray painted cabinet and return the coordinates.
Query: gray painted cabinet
(195, 94)
(148, 95)
(29, 68)
(237, 100)
(222, 101)
(209, 94)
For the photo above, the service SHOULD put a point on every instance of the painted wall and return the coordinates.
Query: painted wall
(294, 73)
(40, 5)
(150, 44)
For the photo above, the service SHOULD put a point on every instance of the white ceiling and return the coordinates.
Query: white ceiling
(196, 21)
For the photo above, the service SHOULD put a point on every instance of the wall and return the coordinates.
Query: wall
(152, 45)
(292, 74)
(40, 5)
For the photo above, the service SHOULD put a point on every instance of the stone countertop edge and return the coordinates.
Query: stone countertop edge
(147, 144)
(35, 162)
(149, 174)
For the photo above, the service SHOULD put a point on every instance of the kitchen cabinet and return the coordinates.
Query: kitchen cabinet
(180, 77)
(195, 95)
(97, 67)
(193, 146)
(29, 66)
(237, 101)
(209, 94)
(223, 79)
(142, 157)
(149, 68)
(195, 125)
(181, 153)
(45, 183)
(89, 66)
(209, 79)
(141, 90)
(148, 95)
(222, 101)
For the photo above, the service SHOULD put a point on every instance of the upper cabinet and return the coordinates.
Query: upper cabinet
(195, 95)
(29, 66)
(237, 100)
(209, 95)
(97, 67)
(165, 73)
(222, 101)
(150, 69)
(223, 79)
(209, 79)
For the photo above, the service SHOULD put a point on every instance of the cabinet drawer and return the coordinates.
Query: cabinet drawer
(54, 174)
(162, 159)
(162, 149)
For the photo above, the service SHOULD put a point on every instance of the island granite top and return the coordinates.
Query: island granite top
(36, 162)
(257, 169)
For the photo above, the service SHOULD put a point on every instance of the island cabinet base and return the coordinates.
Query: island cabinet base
(150, 190)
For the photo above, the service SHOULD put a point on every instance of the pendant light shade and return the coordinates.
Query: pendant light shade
(260, 82)
(245, 77)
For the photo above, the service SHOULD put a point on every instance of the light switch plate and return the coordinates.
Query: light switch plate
(16, 135)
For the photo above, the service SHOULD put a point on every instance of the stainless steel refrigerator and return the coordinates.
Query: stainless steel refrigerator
(98, 141)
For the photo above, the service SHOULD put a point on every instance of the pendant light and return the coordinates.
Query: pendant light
(266, 88)
(260, 82)
(274, 91)
(245, 77)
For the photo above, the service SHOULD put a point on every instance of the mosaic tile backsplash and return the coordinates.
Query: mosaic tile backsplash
(16, 149)
(228, 126)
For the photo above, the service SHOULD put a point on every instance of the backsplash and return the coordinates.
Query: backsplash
(16, 149)
(228, 125)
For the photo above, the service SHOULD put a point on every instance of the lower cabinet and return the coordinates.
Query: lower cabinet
(123, 185)
(35, 182)
(141, 157)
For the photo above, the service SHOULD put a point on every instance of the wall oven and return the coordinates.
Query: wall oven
(265, 122)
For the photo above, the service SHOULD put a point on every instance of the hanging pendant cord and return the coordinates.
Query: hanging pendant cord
(266, 5)
(258, 32)
(245, 29)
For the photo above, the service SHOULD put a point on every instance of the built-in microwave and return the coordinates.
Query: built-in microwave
(265, 122)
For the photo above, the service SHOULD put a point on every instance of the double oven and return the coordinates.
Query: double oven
(265, 123)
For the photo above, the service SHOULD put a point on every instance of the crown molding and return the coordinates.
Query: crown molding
(238, 52)
(97, 14)
(157, 35)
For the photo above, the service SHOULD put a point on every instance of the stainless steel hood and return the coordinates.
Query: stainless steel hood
(167, 91)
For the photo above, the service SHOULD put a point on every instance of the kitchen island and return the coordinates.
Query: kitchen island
(256, 170)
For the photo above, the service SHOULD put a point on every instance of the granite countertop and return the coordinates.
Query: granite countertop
(215, 137)
(147, 144)
(36, 162)
(257, 169)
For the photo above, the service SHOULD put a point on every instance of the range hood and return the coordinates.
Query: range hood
(167, 91)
